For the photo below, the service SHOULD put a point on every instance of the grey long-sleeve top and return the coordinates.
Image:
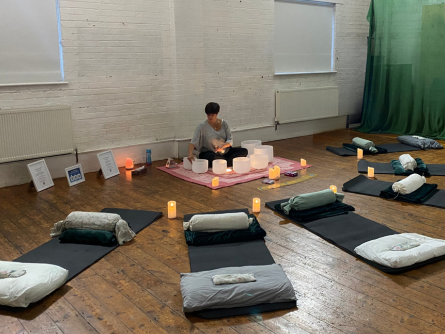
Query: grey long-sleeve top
(207, 138)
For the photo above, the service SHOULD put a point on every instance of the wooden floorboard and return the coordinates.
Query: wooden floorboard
(135, 289)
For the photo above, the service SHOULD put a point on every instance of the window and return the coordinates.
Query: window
(304, 37)
(30, 42)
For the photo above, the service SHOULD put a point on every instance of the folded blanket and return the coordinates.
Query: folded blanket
(364, 144)
(407, 161)
(253, 232)
(218, 222)
(233, 279)
(89, 237)
(95, 221)
(330, 210)
(311, 200)
(353, 148)
(419, 196)
(421, 168)
(409, 184)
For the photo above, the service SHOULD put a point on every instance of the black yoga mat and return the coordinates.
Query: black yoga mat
(349, 231)
(238, 254)
(78, 257)
(386, 168)
(364, 186)
(391, 148)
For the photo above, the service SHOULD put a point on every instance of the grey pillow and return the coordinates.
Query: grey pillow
(418, 141)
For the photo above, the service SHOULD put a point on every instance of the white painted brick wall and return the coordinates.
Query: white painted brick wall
(142, 71)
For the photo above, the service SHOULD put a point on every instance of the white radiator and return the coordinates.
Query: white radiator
(34, 133)
(298, 105)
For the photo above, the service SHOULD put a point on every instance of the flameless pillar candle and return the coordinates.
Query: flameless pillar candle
(272, 173)
(256, 206)
(359, 153)
(370, 172)
(303, 163)
(171, 209)
(333, 188)
(277, 172)
(215, 182)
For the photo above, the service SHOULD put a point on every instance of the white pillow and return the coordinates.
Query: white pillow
(379, 250)
(40, 280)
(218, 222)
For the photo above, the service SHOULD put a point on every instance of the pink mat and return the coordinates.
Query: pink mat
(231, 178)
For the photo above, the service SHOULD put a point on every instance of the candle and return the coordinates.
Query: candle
(215, 182)
(171, 209)
(129, 163)
(277, 172)
(256, 205)
(228, 170)
(359, 153)
(333, 188)
(303, 163)
(370, 172)
(272, 173)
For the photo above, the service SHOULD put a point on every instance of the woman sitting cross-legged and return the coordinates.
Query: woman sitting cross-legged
(213, 139)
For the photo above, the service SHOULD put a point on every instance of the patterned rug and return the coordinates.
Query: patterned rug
(231, 178)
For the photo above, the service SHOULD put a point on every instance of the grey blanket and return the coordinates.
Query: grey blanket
(271, 286)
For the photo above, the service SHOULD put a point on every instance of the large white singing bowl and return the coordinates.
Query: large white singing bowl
(200, 166)
(186, 163)
(264, 149)
(241, 165)
(250, 144)
(219, 166)
(259, 161)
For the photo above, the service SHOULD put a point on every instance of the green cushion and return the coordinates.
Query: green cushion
(311, 200)
(90, 237)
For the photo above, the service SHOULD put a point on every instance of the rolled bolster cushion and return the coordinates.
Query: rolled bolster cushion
(409, 184)
(95, 221)
(366, 144)
(218, 222)
(408, 162)
(311, 200)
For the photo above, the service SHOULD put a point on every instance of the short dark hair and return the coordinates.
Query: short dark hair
(212, 108)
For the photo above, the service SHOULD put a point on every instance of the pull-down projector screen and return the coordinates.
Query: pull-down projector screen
(304, 37)
(30, 48)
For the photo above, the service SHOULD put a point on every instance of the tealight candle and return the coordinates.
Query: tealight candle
(370, 172)
(277, 172)
(333, 188)
(256, 206)
(272, 173)
(359, 153)
(215, 182)
(172, 209)
(228, 170)
(303, 163)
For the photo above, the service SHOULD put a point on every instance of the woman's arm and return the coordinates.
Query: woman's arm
(191, 157)
(229, 140)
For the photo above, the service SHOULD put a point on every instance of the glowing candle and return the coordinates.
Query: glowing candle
(303, 163)
(272, 173)
(256, 206)
(277, 172)
(228, 170)
(333, 188)
(359, 153)
(171, 209)
(129, 163)
(215, 182)
(370, 172)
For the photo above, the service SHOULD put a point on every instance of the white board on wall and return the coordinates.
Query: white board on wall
(30, 49)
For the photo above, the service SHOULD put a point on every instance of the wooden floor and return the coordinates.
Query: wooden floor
(135, 289)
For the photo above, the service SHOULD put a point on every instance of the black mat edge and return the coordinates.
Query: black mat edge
(362, 167)
(388, 270)
(236, 311)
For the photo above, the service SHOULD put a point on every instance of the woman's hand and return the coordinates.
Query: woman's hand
(219, 149)
(191, 158)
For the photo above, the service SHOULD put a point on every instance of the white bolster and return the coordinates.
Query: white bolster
(409, 184)
(218, 222)
(408, 162)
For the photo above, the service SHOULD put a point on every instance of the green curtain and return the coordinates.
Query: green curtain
(405, 71)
